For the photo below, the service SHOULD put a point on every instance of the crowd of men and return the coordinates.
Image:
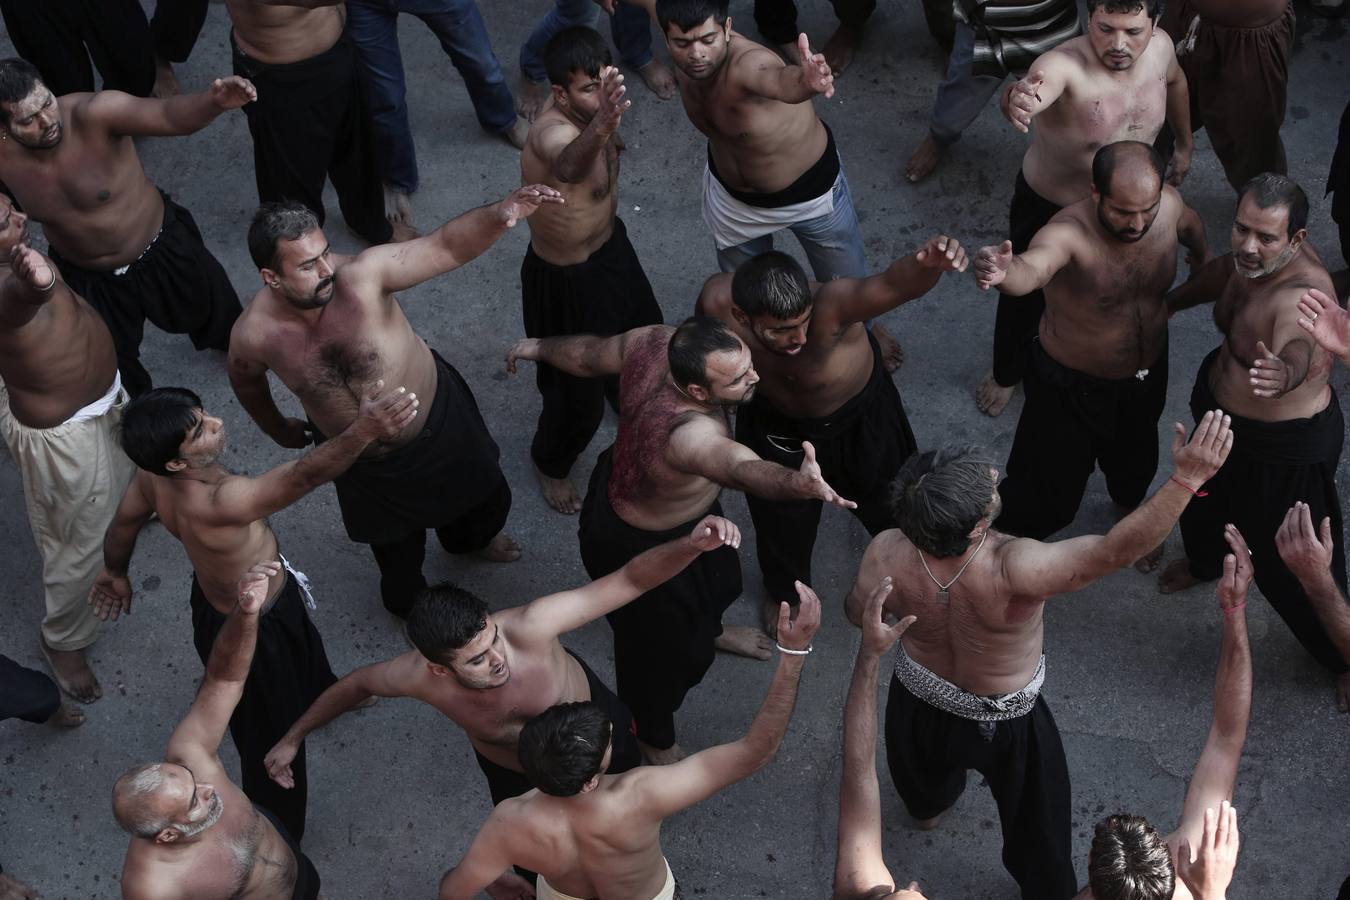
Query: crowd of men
(775, 382)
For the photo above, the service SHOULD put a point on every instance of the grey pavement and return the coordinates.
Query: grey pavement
(395, 796)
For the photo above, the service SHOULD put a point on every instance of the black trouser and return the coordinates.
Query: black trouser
(1272, 465)
(176, 283)
(605, 295)
(1022, 759)
(1072, 422)
(26, 693)
(859, 448)
(309, 121)
(290, 670)
(777, 19)
(1019, 318)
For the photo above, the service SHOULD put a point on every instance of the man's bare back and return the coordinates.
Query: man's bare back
(278, 33)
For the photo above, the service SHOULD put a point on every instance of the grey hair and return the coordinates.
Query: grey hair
(1272, 189)
(274, 222)
(939, 496)
(129, 792)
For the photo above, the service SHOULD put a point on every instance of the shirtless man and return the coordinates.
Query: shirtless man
(328, 325)
(120, 242)
(1117, 82)
(580, 274)
(672, 457)
(193, 833)
(589, 834)
(822, 379)
(490, 673)
(1194, 862)
(1272, 378)
(772, 163)
(1097, 382)
(60, 403)
(309, 120)
(221, 519)
(968, 673)
(1235, 54)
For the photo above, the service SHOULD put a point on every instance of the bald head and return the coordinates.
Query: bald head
(163, 802)
(1127, 166)
(133, 800)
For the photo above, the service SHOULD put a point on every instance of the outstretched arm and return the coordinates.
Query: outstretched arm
(582, 355)
(398, 267)
(184, 114)
(546, 618)
(1018, 275)
(201, 731)
(32, 282)
(572, 159)
(859, 868)
(665, 790)
(1328, 324)
(486, 866)
(906, 279)
(1309, 555)
(111, 591)
(1040, 569)
(1025, 99)
(763, 73)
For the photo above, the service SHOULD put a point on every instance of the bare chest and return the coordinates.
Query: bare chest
(77, 176)
(1100, 111)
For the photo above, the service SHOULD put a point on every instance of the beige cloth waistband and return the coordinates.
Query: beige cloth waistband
(544, 891)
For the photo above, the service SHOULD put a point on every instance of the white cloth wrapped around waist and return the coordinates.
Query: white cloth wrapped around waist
(102, 404)
(734, 222)
(545, 891)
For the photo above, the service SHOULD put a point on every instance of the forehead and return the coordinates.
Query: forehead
(765, 320)
(306, 246)
(1120, 19)
(579, 79)
(479, 643)
(31, 103)
(728, 365)
(1272, 219)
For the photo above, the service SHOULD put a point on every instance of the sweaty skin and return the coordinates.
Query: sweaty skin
(275, 32)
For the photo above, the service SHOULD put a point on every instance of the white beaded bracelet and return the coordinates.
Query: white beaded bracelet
(793, 652)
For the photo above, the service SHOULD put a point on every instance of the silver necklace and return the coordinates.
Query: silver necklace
(942, 594)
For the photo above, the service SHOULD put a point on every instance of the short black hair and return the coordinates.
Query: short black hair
(276, 222)
(940, 495)
(690, 345)
(1129, 861)
(1123, 6)
(1108, 158)
(562, 748)
(772, 284)
(689, 14)
(444, 618)
(18, 77)
(1272, 189)
(578, 49)
(155, 424)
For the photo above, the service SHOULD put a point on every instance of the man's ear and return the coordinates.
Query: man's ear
(176, 465)
(590, 785)
(1299, 237)
(168, 835)
(698, 392)
(270, 277)
(740, 316)
(559, 94)
(437, 670)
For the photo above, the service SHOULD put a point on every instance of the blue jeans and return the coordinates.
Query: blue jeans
(832, 242)
(963, 95)
(630, 27)
(458, 25)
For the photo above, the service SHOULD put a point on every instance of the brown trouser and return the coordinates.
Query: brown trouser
(1238, 80)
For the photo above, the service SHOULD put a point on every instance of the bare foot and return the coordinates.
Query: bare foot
(990, 396)
(517, 133)
(531, 97)
(841, 46)
(658, 79)
(1176, 577)
(73, 673)
(1149, 561)
(402, 231)
(768, 618)
(789, 52)
(1343, 692)
(892, 354)
(502, 548)
(397, 205)
(10, 889)
(743, 640)
(166, 83)
(928, 824)
(68, 716)
(559, 493)
(924, 160)
(655, 757)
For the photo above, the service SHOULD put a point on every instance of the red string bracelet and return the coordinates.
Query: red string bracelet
(1189, 488)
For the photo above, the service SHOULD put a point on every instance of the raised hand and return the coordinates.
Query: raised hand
(1210, 873)
(32, 268)
(523, 201)
(525, 348)
(1269, 374)
(1023, 100)
(1322, 317)
(713, 532)
(817, 485)
(943, 253)
(796, 634)
(816, 72)
(878, 637)
(383, 416)
(991, 265)
(1197, 460)
(1307, 554)
(278, 763)
(232, 92)
(253, 586)
(110, 596)
(1237, 571)
(612, 102)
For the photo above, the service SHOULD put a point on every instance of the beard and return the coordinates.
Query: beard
(1270, 268)
(1124, 236)
(214, 807)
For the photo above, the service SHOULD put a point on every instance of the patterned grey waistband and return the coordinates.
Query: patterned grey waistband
(941, 693)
